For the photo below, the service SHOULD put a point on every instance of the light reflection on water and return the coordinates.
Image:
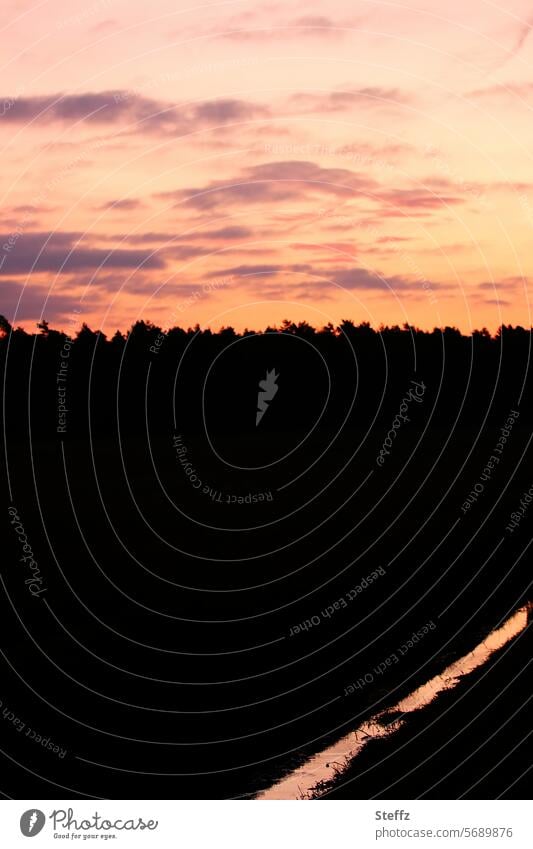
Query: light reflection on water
(324, 765)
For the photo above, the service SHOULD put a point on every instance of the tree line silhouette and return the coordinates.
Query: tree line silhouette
(198, 376)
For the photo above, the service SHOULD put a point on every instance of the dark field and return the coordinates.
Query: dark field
(156, 646)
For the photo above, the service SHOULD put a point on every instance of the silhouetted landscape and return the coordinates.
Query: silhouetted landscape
(210, 595)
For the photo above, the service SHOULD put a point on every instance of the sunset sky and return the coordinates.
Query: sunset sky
(238, 163)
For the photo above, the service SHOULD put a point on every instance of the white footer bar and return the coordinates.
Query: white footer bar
(267, 824)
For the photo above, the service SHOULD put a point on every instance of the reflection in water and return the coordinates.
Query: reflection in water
(324, 765)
